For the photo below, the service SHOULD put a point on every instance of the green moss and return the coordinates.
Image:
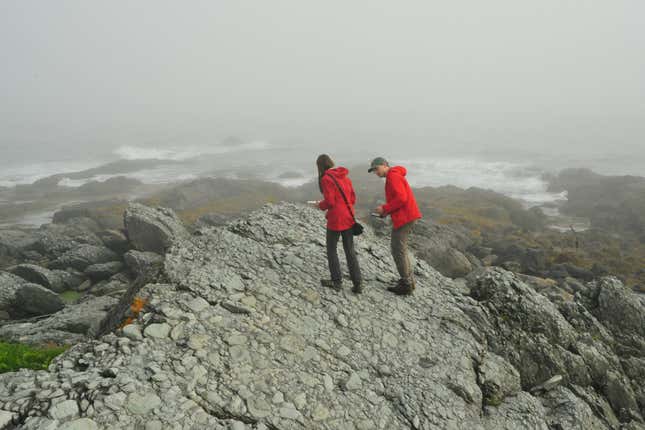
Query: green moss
(70, 297)
(14, 356)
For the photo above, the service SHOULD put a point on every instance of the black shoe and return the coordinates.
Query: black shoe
(357, 288)
(403, 288)
(394, 288)
(334, 285)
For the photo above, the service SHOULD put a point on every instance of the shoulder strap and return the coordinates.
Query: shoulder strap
(349, 207)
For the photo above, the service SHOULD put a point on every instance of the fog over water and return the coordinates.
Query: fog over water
(468, 93)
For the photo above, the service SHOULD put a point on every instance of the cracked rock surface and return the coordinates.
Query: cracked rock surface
(239, 334)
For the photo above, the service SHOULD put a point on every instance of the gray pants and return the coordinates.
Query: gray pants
(399, 244)
(350, 255)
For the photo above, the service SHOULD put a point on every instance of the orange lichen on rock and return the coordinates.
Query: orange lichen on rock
(135, 308)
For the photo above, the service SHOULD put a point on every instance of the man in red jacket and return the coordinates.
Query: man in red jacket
(402, 207)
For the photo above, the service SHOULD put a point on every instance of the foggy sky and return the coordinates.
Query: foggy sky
(496, 73)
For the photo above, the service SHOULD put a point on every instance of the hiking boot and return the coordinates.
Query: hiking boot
(394, 288)
(357, 288)
(334, 285)
(403, 288)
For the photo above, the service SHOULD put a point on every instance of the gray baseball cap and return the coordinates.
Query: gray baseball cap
(378, 161)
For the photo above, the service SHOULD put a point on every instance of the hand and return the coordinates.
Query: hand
(379, 210)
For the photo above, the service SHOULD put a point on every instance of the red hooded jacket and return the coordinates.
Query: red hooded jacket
(400, 202)
(338, 216)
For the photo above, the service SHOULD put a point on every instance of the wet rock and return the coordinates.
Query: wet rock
(83, 256)
(140, 262)
(152, 229)
(101, 271)
(32, 300)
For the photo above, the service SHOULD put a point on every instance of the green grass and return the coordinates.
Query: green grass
(14, 356)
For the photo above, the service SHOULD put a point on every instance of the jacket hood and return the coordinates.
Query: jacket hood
(338, 172)
(397, 170)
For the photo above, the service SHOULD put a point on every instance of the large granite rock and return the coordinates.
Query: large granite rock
(9, 284)
(152, 229)
(33, 300)
(82, 256)
(141, 262)
(237, 333)
(69, 326)
(55, 280)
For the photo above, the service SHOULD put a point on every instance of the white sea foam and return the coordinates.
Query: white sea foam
(20, 174)
(516, 180)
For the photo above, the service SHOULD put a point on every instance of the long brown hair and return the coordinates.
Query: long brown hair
(324, 163)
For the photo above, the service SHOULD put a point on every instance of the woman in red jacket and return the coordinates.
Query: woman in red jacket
(333, 183)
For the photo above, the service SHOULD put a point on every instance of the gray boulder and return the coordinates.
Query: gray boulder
(83, 256)
(152, 229)
(55, 280)
(71, 325)
(9, 284)
(449, 262)
(443, 247)
(14, 243)
(53, 240)
(116, 240)
(140, 262)
(33, 300)
(102, 271)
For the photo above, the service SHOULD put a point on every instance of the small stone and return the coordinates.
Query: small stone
(278, 398)
(158, 331)
(133, 332)
(320, 413)
(353, 382)
(64, 410)
(258, 407)
(154, 425)
(198, 341)
(198, 304)
(341, 320)
(237, 425)
(5, 419)
(328, 382)
(290, 413)
(79, 424)
(249, 301)
(344, 351)
(236, 339)
(141, 404)
(236, 308)
(312, 296)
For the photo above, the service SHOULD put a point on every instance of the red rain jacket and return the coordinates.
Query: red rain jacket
(338, 216)
(400, 202)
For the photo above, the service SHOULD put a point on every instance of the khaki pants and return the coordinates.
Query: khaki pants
(399, 246)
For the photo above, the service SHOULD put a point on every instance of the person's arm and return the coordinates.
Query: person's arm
(352, 194)
(400, 194)
(328, 194)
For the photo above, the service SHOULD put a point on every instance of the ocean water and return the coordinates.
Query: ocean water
(520, 176)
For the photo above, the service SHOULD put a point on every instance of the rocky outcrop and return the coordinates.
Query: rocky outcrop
(82, 256)
(139, 262)
(55, 280)
(152, 229)
(34, 300)
(71, 325)
(9, 284)
(237, 333)
(19, 298)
